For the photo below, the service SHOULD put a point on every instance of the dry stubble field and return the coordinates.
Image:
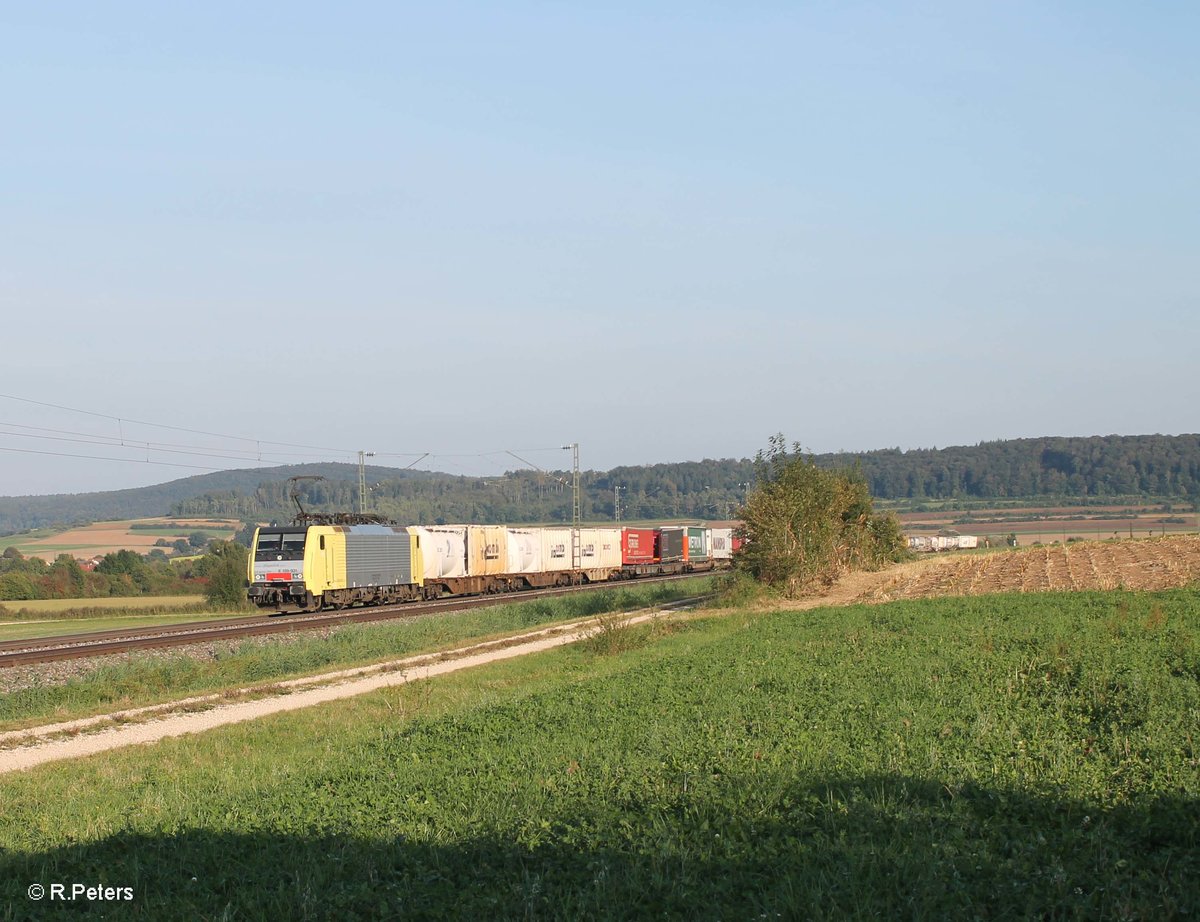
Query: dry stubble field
(1153, 563)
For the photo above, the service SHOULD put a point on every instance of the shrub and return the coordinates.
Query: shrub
(807, 526)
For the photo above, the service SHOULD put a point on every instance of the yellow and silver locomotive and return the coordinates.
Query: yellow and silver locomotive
(308, 567)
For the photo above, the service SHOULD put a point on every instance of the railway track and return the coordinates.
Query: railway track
(101, 643)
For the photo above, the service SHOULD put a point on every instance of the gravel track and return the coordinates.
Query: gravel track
(72, 739)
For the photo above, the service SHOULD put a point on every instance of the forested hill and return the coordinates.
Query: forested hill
(19, 513)
(1111, 465)
(1072, 469)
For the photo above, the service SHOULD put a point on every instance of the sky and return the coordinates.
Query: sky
(664, 231)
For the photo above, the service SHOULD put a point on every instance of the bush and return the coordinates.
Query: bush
(225, 567)
(806, 526)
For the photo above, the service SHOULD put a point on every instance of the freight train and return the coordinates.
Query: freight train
(309, 567)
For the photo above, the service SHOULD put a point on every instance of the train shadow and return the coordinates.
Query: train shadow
(882, 846)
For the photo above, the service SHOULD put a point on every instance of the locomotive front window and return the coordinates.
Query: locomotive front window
(280, 546)
(293, 545)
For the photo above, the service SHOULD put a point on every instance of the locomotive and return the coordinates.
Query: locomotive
(338, 562)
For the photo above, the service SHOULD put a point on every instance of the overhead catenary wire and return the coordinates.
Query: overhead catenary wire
(123, 440)
(121, 420)
(140, 443)
(63, 454)
(108, 441)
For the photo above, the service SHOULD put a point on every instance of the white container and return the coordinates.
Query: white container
(721, 546)
(599, 548)
(524, 550)
(556, 549)
(443, 550)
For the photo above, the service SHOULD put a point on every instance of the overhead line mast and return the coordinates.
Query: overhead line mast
(576, 508)
(362, 479)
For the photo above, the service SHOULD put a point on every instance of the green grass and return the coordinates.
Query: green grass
(25, 537)
(149, 679)
(995, 757)
(49, 607)
(34, 629)
(27, 547)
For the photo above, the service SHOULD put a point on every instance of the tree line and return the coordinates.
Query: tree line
(1064, 469)
(124, 573)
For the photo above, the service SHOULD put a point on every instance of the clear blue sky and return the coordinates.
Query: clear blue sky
(663, 230)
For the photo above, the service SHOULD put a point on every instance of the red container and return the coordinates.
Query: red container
(639, 545)
(738, 543)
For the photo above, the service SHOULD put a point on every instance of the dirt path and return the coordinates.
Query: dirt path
(1148, 564)
(72, 739)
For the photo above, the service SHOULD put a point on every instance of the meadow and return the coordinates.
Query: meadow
(36, 630)
(49, 608)
(29, 619)
(997, 756)
(149, 678)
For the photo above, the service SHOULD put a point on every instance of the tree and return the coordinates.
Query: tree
(126, 569)
(67, 577)
(806, 525)
(197, 539)
(14, 586)
(245, 535)
(225, 567)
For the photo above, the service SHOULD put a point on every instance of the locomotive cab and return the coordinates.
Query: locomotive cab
(277, 571)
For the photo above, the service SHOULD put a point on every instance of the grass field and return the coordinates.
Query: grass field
(149, 679)
(7, 541)
(46, 617)
(51, 606)
(986, 757)
(29, 630)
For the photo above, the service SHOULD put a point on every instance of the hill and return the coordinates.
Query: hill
(1063, 469)
(18, 513)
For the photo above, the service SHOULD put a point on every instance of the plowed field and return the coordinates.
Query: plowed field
(106, 537)
(1158, 563)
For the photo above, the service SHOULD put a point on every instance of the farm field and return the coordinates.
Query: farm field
(1045, 525)
(29, 630)
(50, 617)
(52, 606)
(105, 537)
(1153, 563)
(1007, 756)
